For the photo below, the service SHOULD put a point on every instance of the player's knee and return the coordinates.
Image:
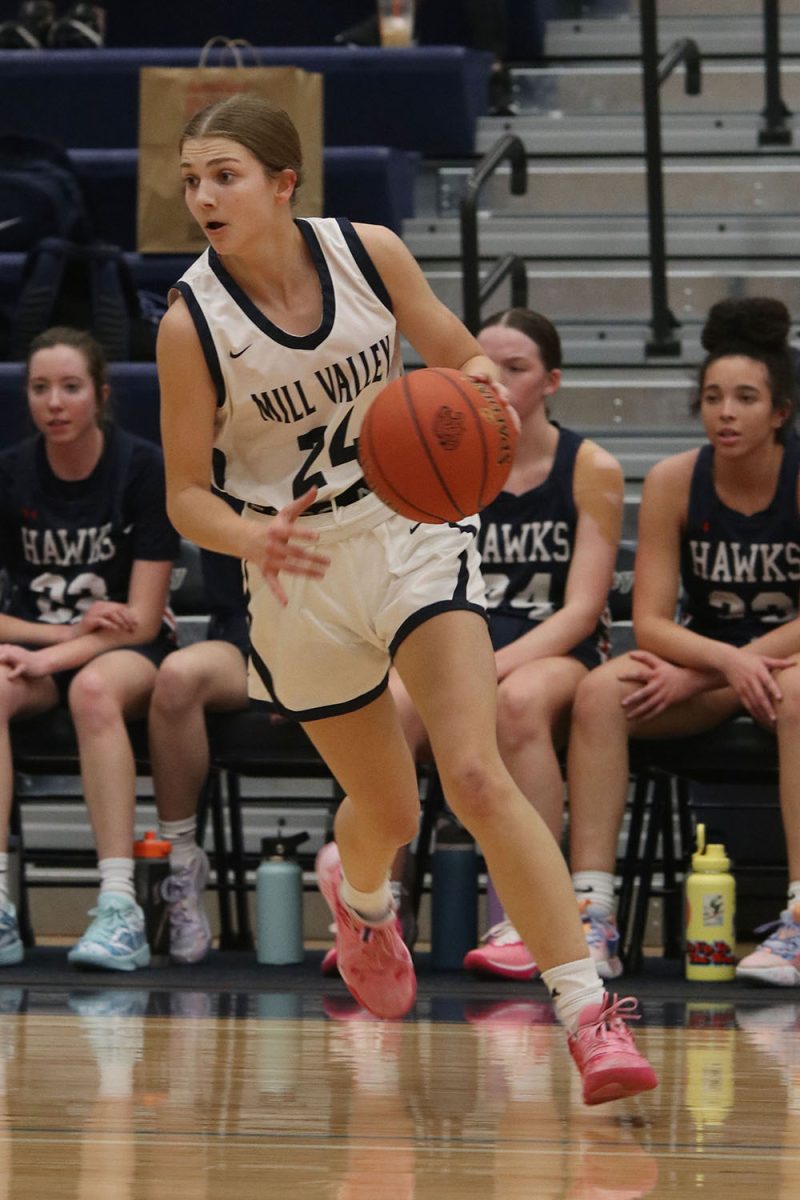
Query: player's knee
(520, 718)
(92, 703)
(598, 696)
(472, 791)
(176, 688)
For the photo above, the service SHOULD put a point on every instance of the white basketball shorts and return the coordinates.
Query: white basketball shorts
(329, 650)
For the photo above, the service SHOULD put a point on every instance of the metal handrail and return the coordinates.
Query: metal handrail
(774, 131)
(510, 147)
(654, 73)
(513, 265)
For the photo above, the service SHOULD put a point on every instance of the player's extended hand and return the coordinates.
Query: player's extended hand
(662, 684)
(106, 614)
(750, 674)
(281, 546)
(501, 391)
(20, 661)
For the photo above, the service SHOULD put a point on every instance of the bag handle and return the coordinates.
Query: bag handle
(234, 46)
(242, 44)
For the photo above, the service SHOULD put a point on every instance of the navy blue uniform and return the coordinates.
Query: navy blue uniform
(526, 544)
(66, 543)
(740, 574)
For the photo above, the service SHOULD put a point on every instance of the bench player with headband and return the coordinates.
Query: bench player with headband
(721, 526)
(88, 549)
(276, 340)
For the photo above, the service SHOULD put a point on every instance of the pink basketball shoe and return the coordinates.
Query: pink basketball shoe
(503, 953)
(373, 960)
(605, 1053)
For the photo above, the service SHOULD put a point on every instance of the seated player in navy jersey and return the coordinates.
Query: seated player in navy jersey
(208, 676)
(548, 545)
(88, 550)
(720, 526)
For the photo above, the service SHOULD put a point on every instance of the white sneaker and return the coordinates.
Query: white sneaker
(189, 928)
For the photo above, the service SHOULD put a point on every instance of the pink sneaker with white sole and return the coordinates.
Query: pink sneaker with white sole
(373, 960)
(503, 954)
(605, 1053)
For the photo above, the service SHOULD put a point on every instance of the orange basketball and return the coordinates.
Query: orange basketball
(436, 446)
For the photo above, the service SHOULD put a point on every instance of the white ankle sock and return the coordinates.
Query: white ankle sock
(182, 837)
(4, 896)
(597, 887)
(794, 893)
(371, 906)
(572, 986)
(116, 875)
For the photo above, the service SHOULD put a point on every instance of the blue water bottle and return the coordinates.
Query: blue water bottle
(279, 901)
(454, 895)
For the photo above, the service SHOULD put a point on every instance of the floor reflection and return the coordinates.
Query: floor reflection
(122, 1093)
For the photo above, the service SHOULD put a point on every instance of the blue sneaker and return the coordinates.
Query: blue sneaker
(777, 959)
(602, 938)
(11, 948)
(115, 940)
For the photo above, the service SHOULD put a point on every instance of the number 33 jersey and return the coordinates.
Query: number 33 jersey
(65, 544)
(740, 574)
(290, 406)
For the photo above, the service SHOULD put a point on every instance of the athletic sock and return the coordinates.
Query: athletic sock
(370, 906)
(4, 896)
(182, 836)
(116, 875)
(794, 893)
(597, 887)
(572, 986)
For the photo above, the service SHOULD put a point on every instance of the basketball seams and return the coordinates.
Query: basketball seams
(422, 439)
(375, 472)
(409, 432)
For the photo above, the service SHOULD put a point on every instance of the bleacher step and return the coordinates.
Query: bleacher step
(617, 37)
(608, 89)
(617, 186)
(622, 133)
(583, 237)
(620, 292)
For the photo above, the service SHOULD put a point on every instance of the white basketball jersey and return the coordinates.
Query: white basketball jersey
(291, 407)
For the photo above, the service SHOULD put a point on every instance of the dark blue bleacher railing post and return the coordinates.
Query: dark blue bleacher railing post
(774, 131)
(510, 147)
(654, 73)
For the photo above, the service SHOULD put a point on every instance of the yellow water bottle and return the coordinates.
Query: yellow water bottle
(710, 914)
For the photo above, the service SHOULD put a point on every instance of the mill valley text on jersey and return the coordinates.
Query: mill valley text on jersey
(341, 383)
(290, 405)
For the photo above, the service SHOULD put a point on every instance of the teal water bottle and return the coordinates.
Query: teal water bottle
(279, 901)
(454, 895)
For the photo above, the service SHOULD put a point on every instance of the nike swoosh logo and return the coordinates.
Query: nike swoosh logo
(11, 221)
(239, 353)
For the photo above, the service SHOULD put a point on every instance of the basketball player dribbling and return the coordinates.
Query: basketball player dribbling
(276, 341)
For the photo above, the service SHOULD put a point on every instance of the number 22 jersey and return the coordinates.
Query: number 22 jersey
(64, 543)
(740, 574)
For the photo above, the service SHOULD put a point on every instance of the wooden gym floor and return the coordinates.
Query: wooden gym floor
(125, 1088)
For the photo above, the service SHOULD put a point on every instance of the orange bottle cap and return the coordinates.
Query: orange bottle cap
(152, 846)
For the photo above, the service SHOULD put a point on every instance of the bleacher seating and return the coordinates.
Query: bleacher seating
(426, 99)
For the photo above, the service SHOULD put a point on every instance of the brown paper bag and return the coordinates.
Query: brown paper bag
(168, 97)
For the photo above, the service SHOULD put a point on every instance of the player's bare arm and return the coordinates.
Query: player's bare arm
(433, 330)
